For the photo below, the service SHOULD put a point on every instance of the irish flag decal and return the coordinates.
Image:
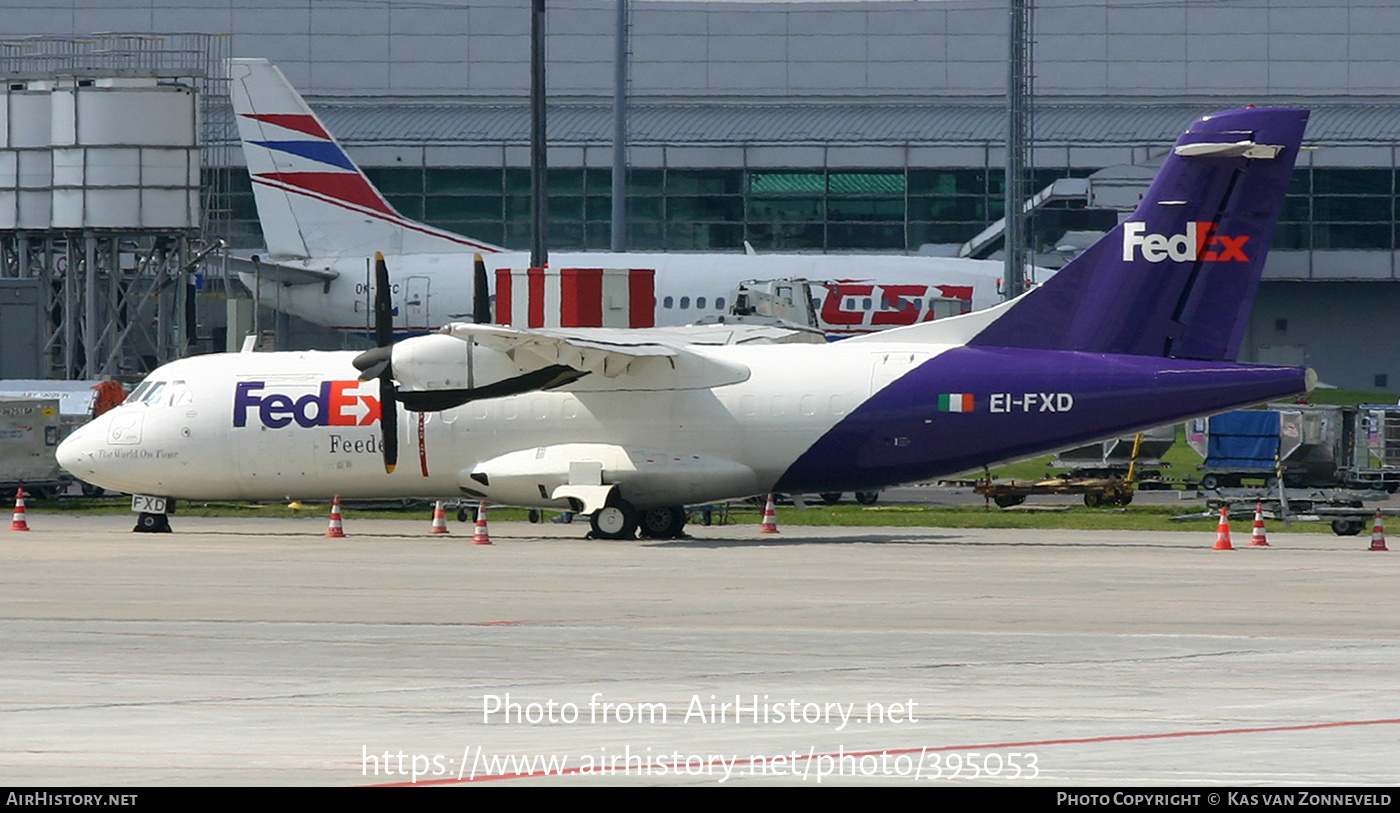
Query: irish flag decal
(955, 402)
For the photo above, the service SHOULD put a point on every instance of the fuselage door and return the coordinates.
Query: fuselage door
(889, 366)
(416, 295)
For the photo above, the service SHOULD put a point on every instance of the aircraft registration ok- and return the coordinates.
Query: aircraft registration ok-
(1141, 330)
(323, 220)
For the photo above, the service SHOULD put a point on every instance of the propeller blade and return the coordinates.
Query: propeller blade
(389, 421)
(377, 363)
(481, 293)
(383, 304)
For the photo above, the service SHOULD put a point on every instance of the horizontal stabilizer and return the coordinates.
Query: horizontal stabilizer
(282, 274)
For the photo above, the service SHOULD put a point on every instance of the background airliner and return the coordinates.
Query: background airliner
(1140, 330)
(323, 222)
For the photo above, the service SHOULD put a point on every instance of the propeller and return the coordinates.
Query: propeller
(481, 293)
(375, 363)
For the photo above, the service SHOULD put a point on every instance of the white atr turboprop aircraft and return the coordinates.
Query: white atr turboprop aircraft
(323, 220)
(1140, 330)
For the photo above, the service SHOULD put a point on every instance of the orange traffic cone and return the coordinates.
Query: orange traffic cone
(335, 530)
(770, 518)
(1258, 539)
(19, 524)
(1378, 533)
(1222, 531)
(439, 519)
(482, 536)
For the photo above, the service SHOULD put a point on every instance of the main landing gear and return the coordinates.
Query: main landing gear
(620, 520)
(152, 524)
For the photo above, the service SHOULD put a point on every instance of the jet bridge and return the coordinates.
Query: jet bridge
(990, 238)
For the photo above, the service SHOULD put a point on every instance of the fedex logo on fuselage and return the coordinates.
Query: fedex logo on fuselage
(333, 404)
(1200, 242)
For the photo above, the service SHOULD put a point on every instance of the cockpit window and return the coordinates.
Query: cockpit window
(180, 394)
(162, 393)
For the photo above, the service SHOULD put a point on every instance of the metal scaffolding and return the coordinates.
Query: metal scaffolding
(120, 294)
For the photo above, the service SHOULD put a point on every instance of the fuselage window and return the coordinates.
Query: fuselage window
(700, 303)
(685, 303)
(667, 303)
(719, 303)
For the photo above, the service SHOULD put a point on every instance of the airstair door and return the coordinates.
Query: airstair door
(416, 296)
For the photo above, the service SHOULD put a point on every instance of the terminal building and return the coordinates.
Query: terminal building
(841, 126)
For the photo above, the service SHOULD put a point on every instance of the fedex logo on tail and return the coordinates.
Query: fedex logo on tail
(1200, 242)
(335, 404)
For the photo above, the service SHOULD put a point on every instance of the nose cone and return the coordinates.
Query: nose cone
(74, 449)
(81, 452)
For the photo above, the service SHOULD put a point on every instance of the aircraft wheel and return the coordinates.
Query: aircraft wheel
(617, 521)
(152, 524)
(90, 490)
(535, 516)
(867, 497)
(662, 523)
(830, 497)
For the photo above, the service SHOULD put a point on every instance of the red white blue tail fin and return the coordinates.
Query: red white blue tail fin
(312, 200)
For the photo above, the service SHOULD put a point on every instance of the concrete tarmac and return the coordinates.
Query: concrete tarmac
(256, 652)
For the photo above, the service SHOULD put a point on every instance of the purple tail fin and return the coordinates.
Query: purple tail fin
(1178, 277)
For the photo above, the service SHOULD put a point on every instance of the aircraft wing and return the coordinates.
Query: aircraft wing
(607, 358)
(468, 362)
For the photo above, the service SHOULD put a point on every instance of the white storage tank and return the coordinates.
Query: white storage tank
(26, 157)
(125, 154)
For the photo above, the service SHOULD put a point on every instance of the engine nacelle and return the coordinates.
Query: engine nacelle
(441, 362)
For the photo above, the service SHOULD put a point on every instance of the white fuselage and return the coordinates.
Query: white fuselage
(431, 290)
(288, 425)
